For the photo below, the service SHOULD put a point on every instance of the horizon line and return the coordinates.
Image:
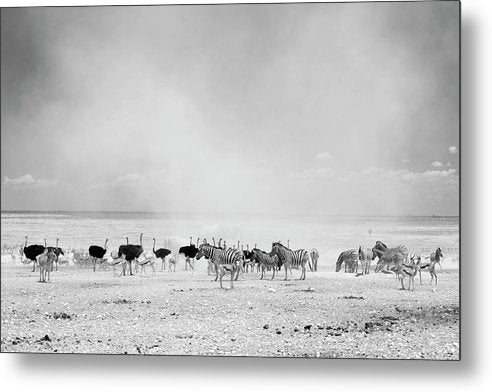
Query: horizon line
(224, 213)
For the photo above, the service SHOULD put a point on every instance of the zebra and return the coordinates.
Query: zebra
(314, 256)
(291, 258)
(349, 258)
(224, 259)
(264, 260)
(392, 260)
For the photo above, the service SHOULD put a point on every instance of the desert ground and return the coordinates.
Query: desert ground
(329, 315)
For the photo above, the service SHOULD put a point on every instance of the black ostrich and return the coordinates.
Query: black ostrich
(97, 252)
(161, 253)
(33, 251)
(131, 253)
(56, 250)
(247, 257)
(190, 251)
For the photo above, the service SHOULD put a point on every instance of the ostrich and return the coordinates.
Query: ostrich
(97, 253)
(161, 253)
(130, 253)
(247, 258)
(190, 252)
(32, 251)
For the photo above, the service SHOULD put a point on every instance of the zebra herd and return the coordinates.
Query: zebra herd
(391, 260)
(233, 260)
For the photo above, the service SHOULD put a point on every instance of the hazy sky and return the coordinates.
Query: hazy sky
(329, 108)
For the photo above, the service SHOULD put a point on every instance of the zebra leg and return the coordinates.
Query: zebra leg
(232, 276)
(262, 272)
(273, 276)
(216, 273)
(285, 265)
(222, 273)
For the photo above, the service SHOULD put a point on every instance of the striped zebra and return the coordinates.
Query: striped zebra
(349, 258)
(291, 258)
(314, 256)
(224, 260)
(264, 260)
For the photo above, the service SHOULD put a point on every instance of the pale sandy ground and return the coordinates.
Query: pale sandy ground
(185, 313)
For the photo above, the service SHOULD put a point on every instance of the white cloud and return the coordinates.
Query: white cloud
(28, 180)
(453, 150)
(23, 180)
(449, 164)
(436, 164)
(323, 156)
(405, 161)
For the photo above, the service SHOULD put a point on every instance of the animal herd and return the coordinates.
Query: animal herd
(391, 260)
(223, 259)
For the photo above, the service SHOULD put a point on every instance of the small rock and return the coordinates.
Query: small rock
(266, 326)
(272, 290)
(307, 327)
